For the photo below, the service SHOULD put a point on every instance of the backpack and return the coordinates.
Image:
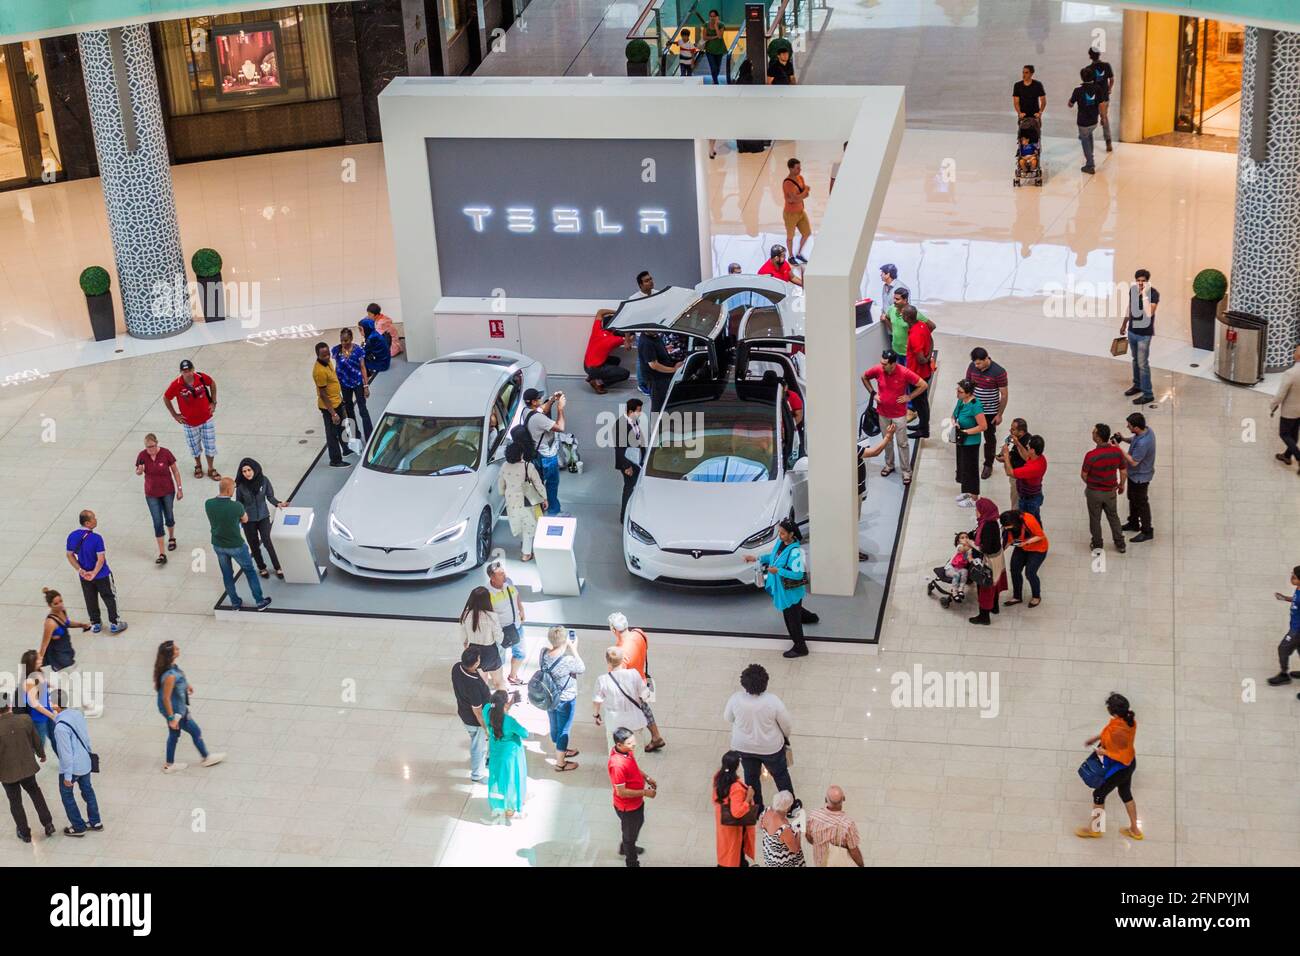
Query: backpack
(543, 690)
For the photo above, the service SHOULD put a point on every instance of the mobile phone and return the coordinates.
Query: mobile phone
(573, 635)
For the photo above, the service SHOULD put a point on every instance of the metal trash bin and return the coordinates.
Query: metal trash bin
(1239, 340)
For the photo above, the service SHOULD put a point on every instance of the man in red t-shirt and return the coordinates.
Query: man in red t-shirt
(892, 395)
(920, 359)
(196, 393)
(631, 789)
(1104, 473)
(602, 368)
(778, 268)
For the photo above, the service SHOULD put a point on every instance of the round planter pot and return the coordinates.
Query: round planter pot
(103, 318)
(212, 297)
(1203, 314)
(638, 69)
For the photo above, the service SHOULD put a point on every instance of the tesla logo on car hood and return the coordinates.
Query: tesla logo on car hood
(696, 554)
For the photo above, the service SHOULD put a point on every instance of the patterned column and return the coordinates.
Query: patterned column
(1266, 236)
(131, 142)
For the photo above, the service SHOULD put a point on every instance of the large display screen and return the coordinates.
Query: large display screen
(563, 218)
(246, 59)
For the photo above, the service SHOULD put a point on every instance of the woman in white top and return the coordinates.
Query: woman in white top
(561, 662)
(620, 698)
(521, 486)
(479, 625)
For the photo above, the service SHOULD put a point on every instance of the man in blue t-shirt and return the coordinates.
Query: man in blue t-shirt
(1088, 97)
(86, 555)
(1291, 640)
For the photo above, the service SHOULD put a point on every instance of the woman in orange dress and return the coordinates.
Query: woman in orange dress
(735, 843)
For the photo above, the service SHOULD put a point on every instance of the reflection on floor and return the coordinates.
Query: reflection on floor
(593, 498)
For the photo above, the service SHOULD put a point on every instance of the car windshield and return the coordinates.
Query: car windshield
(418, 445)
(728, 444)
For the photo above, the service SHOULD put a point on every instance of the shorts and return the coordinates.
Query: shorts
(797, 221)
(202, 438)
(489, 658)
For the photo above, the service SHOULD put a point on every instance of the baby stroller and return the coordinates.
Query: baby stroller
(977, 573)
(567, 452)
(1032, 173)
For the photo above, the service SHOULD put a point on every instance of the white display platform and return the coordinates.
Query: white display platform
(557, 564)
(290, 530)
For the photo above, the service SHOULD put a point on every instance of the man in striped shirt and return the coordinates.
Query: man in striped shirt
(1104, 472)
(990, 381)
(833, 834)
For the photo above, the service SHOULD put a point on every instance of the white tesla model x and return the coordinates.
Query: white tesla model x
(423, 500)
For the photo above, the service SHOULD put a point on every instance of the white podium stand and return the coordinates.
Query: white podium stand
(290, 528)
(553, 551)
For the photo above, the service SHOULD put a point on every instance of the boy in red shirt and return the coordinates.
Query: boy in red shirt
(602, 368)
(196, 393)
(631, 789)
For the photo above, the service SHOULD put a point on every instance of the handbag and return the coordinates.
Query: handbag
(789, 753)
(1092, 771)
(730, 820)
(981, 575)
(94, 757)
(1119, 345)
(792, 584)
(869, 423)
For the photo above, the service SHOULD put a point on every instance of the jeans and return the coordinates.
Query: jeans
(551, 479)
(69, 798)
(258, 533)
(1032, 504)
(752, 765)
(1099, 503)
(1028, 563)
(14, 792)
(188, 725)
(478, 749)
(226, 558)
(1139, 347)
(333, 434)
(1139, 505)
(93, 591)
(354, 402)
(561, 723)
(1085, 139)
(630, 823)
(160, 509)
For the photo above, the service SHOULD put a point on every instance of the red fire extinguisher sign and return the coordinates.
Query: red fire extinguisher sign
(497, 328)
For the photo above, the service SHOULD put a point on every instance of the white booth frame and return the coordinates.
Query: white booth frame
(868, 118)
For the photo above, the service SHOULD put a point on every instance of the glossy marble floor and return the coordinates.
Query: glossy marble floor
(344, 746)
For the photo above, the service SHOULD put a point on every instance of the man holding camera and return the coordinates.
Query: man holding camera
(542, 427)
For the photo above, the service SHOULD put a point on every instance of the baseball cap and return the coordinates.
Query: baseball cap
(187, 365)
(531, 395)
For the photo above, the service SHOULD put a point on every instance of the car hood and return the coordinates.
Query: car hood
(389, 511)
(703, 514)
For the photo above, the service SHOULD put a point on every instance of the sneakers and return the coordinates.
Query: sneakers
(1277, 680)
(966, 502)
(799, 259)
(211, 760)
(1144, 536)
(1144, 400)
(262, 605)
(174, 767)
(796, 652)
(1130, 526)
(1088, 169)
(1132, 391)
(622, 850)
(117, 628)
(68, 831)
(96, 628)
(49, 829)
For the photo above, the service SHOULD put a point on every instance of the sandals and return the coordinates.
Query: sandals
(515, 680)
(570, 753)
(1012, 602)
(279, 574)
(161, 559)
(213, 474)
(198, 470)
(651, 748)
(886, 471)
(171, 544)
(1034, 602)
(263, 573)
(561, 768)
(525, 557)
(907, 480)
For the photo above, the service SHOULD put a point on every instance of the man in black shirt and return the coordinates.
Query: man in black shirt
(1103, 75)
(471, 694)
(780, 71)
(1088, 98)
(659, 365)
(1028, 98)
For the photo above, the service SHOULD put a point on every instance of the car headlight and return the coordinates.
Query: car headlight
(640, 533)
(450, 534)
(762, 537)
(339, 528)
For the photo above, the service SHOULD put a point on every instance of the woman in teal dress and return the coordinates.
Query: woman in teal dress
(787, 582)
(507, 762)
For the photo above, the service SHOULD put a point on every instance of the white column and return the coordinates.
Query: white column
(135, 172)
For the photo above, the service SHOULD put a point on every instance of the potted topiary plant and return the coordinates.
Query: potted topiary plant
(207, 273)
(99, 302)
(1208, 291)
(638, 58)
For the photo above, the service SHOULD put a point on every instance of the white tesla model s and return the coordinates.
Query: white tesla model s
(726, 460)
(423, 500)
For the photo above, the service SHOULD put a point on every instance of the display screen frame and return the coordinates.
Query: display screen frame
(218, 31)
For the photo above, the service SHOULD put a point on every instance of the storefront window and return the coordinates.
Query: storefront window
(246, 60)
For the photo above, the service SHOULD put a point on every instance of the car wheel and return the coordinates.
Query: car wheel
(483, 538)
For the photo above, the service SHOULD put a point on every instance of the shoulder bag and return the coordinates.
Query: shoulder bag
(1092, 771)
(94, 757)
(793, 584)
(640, 705)
(730, 820)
